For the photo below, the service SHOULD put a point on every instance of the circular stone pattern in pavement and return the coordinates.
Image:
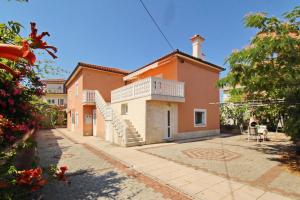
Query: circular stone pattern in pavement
(211, 154)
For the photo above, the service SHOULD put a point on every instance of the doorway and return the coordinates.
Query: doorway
(168, 133)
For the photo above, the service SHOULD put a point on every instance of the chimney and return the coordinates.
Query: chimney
(197, 40)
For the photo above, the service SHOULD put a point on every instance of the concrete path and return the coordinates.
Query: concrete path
(194, 183)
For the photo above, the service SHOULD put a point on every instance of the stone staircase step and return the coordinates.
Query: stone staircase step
(131, 144)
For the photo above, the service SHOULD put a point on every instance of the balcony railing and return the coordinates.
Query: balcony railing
(54, 91)
(149, 87)
(88, 97)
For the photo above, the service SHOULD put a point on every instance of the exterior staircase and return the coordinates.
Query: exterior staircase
(133, 137)
(121, 128)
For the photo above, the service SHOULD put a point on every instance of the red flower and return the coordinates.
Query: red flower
(15, 52)
(16, 91)
(38, 43)
(3, 93)
(63, 168)
(11, 101)
(61, 174)
(32, 177)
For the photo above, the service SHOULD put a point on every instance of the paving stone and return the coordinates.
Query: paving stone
(95, 179)
(227, 177)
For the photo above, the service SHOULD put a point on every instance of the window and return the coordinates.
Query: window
(76, 86)
(73, 118)
(199, 117)
(124, 109)
(51, 101)
(76, 119)
(61, 102)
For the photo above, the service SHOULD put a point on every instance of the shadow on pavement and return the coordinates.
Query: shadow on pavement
(48, 143)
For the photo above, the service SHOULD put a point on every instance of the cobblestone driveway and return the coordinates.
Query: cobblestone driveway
(91, 177)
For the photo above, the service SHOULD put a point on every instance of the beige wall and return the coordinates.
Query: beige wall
(157, 121)
(200, 91)
(136, 113)
(55, 97)
(150, 118)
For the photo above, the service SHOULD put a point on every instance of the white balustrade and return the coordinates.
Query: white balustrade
(109, 114)
(88, 96)
(54, 90)
(146, 87)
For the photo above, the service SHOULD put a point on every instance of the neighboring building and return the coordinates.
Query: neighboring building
(55, 92)
(164, 100)
(226, 93)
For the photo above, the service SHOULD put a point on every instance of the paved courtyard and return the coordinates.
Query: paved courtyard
(233, 157)
(227, 168)
(91, 176)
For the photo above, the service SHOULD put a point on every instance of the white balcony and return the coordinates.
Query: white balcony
(88, 97)
(55, 90)
(154, 88)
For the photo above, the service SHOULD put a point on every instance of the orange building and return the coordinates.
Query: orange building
(165, 100)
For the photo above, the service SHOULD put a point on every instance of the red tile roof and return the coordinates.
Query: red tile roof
(103, 68)
(98, 67)
(183, 54)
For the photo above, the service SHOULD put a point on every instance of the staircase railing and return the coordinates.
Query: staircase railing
(109, 114)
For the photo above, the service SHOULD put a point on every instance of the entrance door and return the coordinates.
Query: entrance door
(168, 134)
(94, 123)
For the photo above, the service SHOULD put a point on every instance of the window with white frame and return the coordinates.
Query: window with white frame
(199, 117)
(124, 109)
(76, 88)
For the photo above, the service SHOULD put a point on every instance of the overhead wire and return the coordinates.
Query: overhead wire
(157, 26)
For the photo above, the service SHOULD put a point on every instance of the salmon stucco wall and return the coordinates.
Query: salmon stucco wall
(75, 102)
(100, 125)
(200, 91)
(166, 70)
(102, 81)
(90, 79)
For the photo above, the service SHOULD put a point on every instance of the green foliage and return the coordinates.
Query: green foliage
(236, 113)
(20, 111)
(269, 67)
(9, 33)
(52, 115)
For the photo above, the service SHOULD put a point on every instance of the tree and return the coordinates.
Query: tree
(268, 69)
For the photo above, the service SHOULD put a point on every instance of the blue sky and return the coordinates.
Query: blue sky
(119, 33)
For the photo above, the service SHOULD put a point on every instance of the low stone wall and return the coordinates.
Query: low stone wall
(196, 134)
